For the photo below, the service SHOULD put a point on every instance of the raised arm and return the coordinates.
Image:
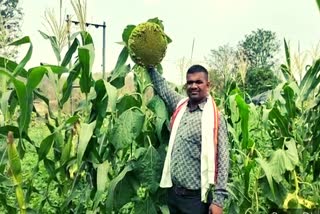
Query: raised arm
(170, 97)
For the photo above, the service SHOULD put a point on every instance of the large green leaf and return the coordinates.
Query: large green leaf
(118, 75)
(112, 97)
(279, 195)
(122, 58)
(284, 160)
(45, 146)
(310, 81)
(86, 58)
(68, 84)
(289, 96)
(85, 135)
(26, 58)
(268, 172)
(102, 175)
(244, 115)
(113, 189)
(149, 168)
(34, 78)
(127, 128)
(159, 108)
(16, 134)
(280, 120)
(11, 66)
(86, 38)
(145, 206)
(100, 103)
(128, 101)
(72, 49)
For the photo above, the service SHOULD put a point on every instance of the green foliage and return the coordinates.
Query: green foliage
(10, 26)
(259, 48)
(222, 67)
(107, 156)
(277, 168)
(259, 80)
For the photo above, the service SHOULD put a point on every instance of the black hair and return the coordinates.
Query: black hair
(197, 68)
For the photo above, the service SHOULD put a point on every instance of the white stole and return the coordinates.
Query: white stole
(208, 156)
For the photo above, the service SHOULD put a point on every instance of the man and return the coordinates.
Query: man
(197, 156)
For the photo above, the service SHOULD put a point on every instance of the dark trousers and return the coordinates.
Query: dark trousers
(181, 201)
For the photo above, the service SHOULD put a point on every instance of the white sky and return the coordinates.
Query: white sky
(210, 23)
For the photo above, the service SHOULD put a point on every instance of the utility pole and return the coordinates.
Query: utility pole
(192, 50)
(103, 26)
(69, 21)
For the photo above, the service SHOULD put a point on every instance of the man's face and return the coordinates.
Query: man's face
(197, 86)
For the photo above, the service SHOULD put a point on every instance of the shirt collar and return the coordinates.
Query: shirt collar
(200, 105)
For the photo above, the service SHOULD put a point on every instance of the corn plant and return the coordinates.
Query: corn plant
(275, 146)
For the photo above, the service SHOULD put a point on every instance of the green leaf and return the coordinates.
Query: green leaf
(54, 45)
(100, 103)
(281, 121)
(85, 135)
(310, 81)
(128, 101)
(290, 101)
(318, 3)
(149, 168)
(35, 77)
(25, 101)
(10, 66)
(126, 33)
(145, 206)
(127, 128)
(284, 160)
(67, 86)
(164, 209)
(247, 169)
(159, 108)
(268, 172)
(110, 202)
(102, 176)
(112, 97)
(45, 146)
(291, 153)
(288, 58)
(50, 167)
(122, 58)
(244, 115)
(26, 58)
(86, 38)
(16, 134)
(70, 52)
(279, 195)
(86, 58)
(118, 75)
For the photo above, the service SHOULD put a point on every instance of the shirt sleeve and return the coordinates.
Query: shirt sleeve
(169, 96)
(220, 192)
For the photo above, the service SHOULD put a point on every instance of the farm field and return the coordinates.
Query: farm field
(105, 153)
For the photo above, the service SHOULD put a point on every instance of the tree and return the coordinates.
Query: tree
(259, 50)
(10, 26)
(222, 66)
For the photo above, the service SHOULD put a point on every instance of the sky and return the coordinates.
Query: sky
(195, 26)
